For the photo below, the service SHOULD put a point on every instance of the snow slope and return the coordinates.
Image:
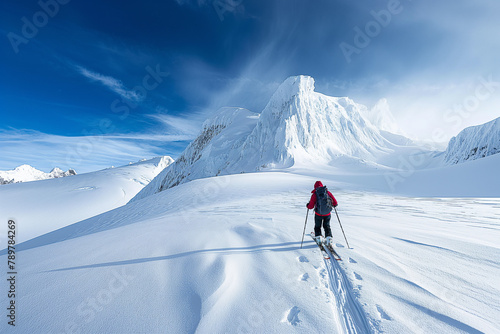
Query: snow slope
(43, 206)
(26, 173)
(222, 255)
(474, 142)
(414, 175)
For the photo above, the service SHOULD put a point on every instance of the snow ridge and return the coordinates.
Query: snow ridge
(474, 142)
(26, 173)
(209, 153)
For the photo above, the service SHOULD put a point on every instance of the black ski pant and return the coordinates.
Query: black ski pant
(325, 221)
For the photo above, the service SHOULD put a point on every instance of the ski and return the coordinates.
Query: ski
(324, 249)
(335, 255)
(320, 245)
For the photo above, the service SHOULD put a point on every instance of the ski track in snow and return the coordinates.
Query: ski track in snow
(350, 314)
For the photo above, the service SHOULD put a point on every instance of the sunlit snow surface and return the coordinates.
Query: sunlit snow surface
(222, 255)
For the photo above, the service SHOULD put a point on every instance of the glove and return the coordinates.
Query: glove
(335, 206)
(307, 205)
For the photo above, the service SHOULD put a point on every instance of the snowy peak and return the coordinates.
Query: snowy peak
(158, 163)
(26, 173)
(225, 117)
(301, 126)
(57, 172)
(474, 142)
(292, 87)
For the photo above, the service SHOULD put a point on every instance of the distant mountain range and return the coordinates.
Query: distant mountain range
(26, 173)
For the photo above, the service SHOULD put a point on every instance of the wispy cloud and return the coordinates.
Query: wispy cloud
(111, 83)
(179, 125)
(83, 153)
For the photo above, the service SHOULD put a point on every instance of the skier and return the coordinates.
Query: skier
(322, 201)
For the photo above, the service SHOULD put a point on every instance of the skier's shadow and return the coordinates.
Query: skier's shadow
(283, 247)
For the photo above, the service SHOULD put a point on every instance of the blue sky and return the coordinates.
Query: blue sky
(90, 84)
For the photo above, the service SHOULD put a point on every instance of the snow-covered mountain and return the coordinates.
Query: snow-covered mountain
(474, 142)
(298, 127)
(46, 205)
(26, 173)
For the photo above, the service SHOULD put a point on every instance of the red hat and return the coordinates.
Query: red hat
(318, 184)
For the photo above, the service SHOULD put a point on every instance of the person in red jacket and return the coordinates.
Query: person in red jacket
(320, 203)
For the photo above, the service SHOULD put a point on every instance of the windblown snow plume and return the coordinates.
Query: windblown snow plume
(381, 116)
(474, 142)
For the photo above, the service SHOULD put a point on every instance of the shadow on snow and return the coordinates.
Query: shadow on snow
(283, 247)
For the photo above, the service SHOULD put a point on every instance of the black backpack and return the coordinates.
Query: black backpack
(324, 203)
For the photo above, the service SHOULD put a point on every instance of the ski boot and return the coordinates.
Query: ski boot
(318, 239)
(328, 241)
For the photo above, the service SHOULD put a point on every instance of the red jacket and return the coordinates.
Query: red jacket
(312, 201)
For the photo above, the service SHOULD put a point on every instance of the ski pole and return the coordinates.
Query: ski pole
(341, 228)
(303, 233)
